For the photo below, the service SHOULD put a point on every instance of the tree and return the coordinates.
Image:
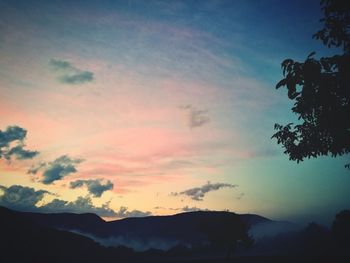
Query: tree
(320, 90)
(341, 228)
(226, 230)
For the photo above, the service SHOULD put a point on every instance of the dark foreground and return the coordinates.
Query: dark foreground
(24, 240)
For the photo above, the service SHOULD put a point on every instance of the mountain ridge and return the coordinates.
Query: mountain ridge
(161, 231)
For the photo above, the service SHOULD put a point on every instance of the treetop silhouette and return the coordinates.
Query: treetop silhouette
(320, 90)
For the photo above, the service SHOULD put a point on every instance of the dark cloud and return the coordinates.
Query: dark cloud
(196, 117)
(69, 74)
(20, 198)
(81, 205)
(57, 169)
(20, 153)
(78, 78)
(96, 187)
(14, 135)
(26, 199)
(60, 64)
(198, 193)
(123, 212)
(11, 134)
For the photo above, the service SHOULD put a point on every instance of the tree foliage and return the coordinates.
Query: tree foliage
(341, 228)
(320, 90)
(229, 230)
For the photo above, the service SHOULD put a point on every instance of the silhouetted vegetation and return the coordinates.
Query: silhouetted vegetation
(320, 90)
(225, 230)
(341, 229)
(314, 241)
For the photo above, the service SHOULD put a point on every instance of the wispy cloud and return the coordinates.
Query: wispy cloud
(191, 209)
(57, 169)
(96, 187)
(123, 212)
(198, 193)
(27, 199)
(195, 117)
(164, 208)
(34, 169)
(183, 209)
(14, 135)
(69, 74)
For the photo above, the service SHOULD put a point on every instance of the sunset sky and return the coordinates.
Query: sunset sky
(132, 108)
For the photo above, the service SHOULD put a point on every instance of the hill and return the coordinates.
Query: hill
(142, 233)
(24, 240)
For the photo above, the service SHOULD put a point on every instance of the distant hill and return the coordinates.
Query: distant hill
(142, 233)
(162, 225)
(49, 238)
(162, 232)
(24, 240)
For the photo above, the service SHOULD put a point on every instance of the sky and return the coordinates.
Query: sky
(136, 108)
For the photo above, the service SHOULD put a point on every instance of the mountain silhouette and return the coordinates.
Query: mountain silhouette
(24, 240)
(167, 231)
(159, 232)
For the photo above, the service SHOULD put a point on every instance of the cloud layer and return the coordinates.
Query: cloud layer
(192, 209)
(20, 198)
(123, 212)
(57, 169)
(80, 205)
(14, 135)
(26, 199)
(198, 193)
(69, 74)
(96, 187)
